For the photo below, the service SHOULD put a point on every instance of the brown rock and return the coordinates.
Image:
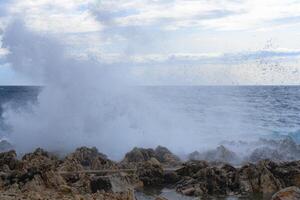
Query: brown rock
(165, 156)
(151, 173)
(138, 155)
(86, 158)
(290, 193)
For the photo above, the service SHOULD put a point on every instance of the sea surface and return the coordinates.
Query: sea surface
(258, 111)
(219, 111)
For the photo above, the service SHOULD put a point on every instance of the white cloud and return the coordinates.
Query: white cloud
(212, 14)
(62, 16)
(159, 34)
(3, 52)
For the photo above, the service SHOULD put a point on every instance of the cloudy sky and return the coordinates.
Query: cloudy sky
(170, 41)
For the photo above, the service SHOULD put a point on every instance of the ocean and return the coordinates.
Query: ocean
(235, 111)
(221, 112)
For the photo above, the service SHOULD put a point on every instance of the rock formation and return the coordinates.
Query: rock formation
(220, 154)
(200, 178)
(290, 193)
(161, 154)
(88, 174)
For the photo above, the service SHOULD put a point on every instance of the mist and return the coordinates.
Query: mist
(83, 102)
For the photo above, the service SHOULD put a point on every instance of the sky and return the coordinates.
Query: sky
(170, 42)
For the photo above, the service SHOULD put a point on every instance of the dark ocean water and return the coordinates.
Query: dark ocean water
(223, 110)
(16, 97)
(241, 112)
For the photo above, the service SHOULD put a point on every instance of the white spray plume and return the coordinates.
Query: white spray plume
(85, 103)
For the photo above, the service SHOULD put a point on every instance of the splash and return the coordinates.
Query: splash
(84, 102)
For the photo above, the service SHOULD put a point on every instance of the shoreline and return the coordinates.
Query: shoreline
(89, 174)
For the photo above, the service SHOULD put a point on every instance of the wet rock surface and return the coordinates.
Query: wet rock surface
(40, 175)
(220, 154)
(161, 154)
(290, 193)
(89, 174)
(266, 177)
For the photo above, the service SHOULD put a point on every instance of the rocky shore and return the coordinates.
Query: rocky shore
(88, 174)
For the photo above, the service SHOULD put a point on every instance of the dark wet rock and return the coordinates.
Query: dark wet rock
(290, 193)
(151, 173)
(265, 177)
(190, 168)
(200, 178)
(220, 154)
(249, 178)
(171, 177)
(5, 146)
(100, 183)
(269, 183)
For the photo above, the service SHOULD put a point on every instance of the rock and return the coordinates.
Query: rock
(65, 189)
(161, 198)
(100, 184)
(190, 168)
(41, 160)
(203, 179)
(9, 161)
(162, 154)
(249, 176)
(290, 193)
(165, 156)
(151, 173)
(220, 154)
(263, 153)
(171, 177)
(86, 158)
(284, 149)
(138, 155)
(269, 183)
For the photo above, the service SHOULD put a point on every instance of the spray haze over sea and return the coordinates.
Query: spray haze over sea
(216, 113)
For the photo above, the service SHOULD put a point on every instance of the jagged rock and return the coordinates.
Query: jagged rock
(263, 153)
(165, 156)
(284, 149)
(220, 154)
(162, 154)
(269, 183)
(138, 155)
(202, 179)
(192, 167)
(249, 179)
(151, 173)
(9, 161)
(290, 193)
(86, 158)
(41, 160)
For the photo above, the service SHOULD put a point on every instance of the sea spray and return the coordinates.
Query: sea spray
(85, 103)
